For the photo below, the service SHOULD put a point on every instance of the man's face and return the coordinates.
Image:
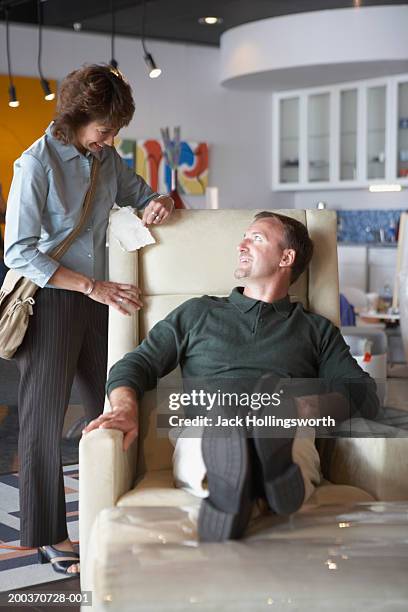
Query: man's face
(261, 250)
(96, 135)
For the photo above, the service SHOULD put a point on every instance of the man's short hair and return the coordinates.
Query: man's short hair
(95, 92)
(295, 237)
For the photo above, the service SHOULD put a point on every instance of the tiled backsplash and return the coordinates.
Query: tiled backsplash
(362, 226)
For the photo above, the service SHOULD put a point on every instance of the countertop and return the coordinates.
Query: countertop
(373, 245)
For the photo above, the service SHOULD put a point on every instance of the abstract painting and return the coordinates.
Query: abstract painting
(148, 159)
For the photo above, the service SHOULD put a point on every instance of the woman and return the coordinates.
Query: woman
(67, 335)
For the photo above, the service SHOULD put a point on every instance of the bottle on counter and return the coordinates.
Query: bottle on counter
(392, 232)
(385, 299)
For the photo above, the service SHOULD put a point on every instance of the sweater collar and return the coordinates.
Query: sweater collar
(245, 304)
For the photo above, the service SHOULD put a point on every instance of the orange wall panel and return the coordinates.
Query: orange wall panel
(21, 126)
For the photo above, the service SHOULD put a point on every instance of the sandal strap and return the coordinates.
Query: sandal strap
(59, 556)
(61, 560)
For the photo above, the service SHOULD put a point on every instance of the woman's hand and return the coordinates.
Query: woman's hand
(158, 210)
(125, 298)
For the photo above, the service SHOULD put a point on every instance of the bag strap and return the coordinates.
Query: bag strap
(62, 248)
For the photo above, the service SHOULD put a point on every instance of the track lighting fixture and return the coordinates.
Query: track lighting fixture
(113, 62)
(13, 100)
(153, 70)
(48, 94)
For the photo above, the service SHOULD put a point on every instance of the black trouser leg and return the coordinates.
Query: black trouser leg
(47, 360)
(92, 362)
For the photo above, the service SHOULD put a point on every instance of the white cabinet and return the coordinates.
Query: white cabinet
(348, 135)
(402, 128)
(289, 140)
(375, 132)
(343, 136)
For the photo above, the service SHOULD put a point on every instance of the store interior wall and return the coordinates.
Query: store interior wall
(236, 124)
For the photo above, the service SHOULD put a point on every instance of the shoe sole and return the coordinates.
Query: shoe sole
(226, 514)
(284, 492)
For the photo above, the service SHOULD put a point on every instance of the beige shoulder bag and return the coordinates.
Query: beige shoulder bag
(17, 292)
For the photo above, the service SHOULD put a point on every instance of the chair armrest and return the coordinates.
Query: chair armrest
(106, 473)
(376, 464)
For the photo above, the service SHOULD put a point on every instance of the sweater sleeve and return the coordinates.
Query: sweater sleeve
(344, 375)
(158, 354)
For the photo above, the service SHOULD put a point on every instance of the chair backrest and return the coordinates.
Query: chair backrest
(195, 254)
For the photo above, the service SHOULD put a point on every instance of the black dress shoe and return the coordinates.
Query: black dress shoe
(60, 560)
(282, 479)
(225, 514)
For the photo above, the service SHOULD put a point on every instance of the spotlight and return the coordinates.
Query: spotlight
(48, 94)
(114, 63)
(154, 71)
(152, 68)
(13, 102)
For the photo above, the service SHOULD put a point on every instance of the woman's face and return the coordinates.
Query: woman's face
(95, 135)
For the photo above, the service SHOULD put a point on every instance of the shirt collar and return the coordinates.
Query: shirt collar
(65, 151)
(245, 304)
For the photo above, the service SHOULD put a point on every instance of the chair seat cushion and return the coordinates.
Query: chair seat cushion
(157, 489)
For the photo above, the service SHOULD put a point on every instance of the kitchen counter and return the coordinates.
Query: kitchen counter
(372, 245)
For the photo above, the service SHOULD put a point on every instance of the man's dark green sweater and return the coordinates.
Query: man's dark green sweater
(238, 337)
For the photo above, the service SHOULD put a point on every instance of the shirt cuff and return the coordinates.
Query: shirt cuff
(111, 385)
(39, 269)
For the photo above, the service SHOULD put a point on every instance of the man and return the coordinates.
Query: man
(255, 333)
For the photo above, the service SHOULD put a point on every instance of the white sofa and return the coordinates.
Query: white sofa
(345, 549)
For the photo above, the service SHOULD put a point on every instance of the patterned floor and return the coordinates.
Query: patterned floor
(20, 568)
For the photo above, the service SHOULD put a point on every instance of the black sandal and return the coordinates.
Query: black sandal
(60, 560)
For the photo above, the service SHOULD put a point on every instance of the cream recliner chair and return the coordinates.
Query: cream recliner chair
(139, 547)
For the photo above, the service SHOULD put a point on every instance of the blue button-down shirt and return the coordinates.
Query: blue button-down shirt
(45, 202)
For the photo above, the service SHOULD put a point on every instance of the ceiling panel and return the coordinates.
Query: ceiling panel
(173, 20)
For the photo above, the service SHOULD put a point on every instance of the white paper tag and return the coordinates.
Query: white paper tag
(129, 230)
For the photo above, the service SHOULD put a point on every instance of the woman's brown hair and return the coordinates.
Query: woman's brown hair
(95, 92)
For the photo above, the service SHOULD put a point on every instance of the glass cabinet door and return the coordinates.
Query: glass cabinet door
(289, 140)
(376, 113)
(402, 139)
(348, 135)
(318, 137)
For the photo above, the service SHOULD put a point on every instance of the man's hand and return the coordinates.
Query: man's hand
(158, 210)
(331, 404)
(124, 416)
(307, 406)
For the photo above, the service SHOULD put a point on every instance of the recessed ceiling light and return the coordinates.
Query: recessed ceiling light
(210, 20)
